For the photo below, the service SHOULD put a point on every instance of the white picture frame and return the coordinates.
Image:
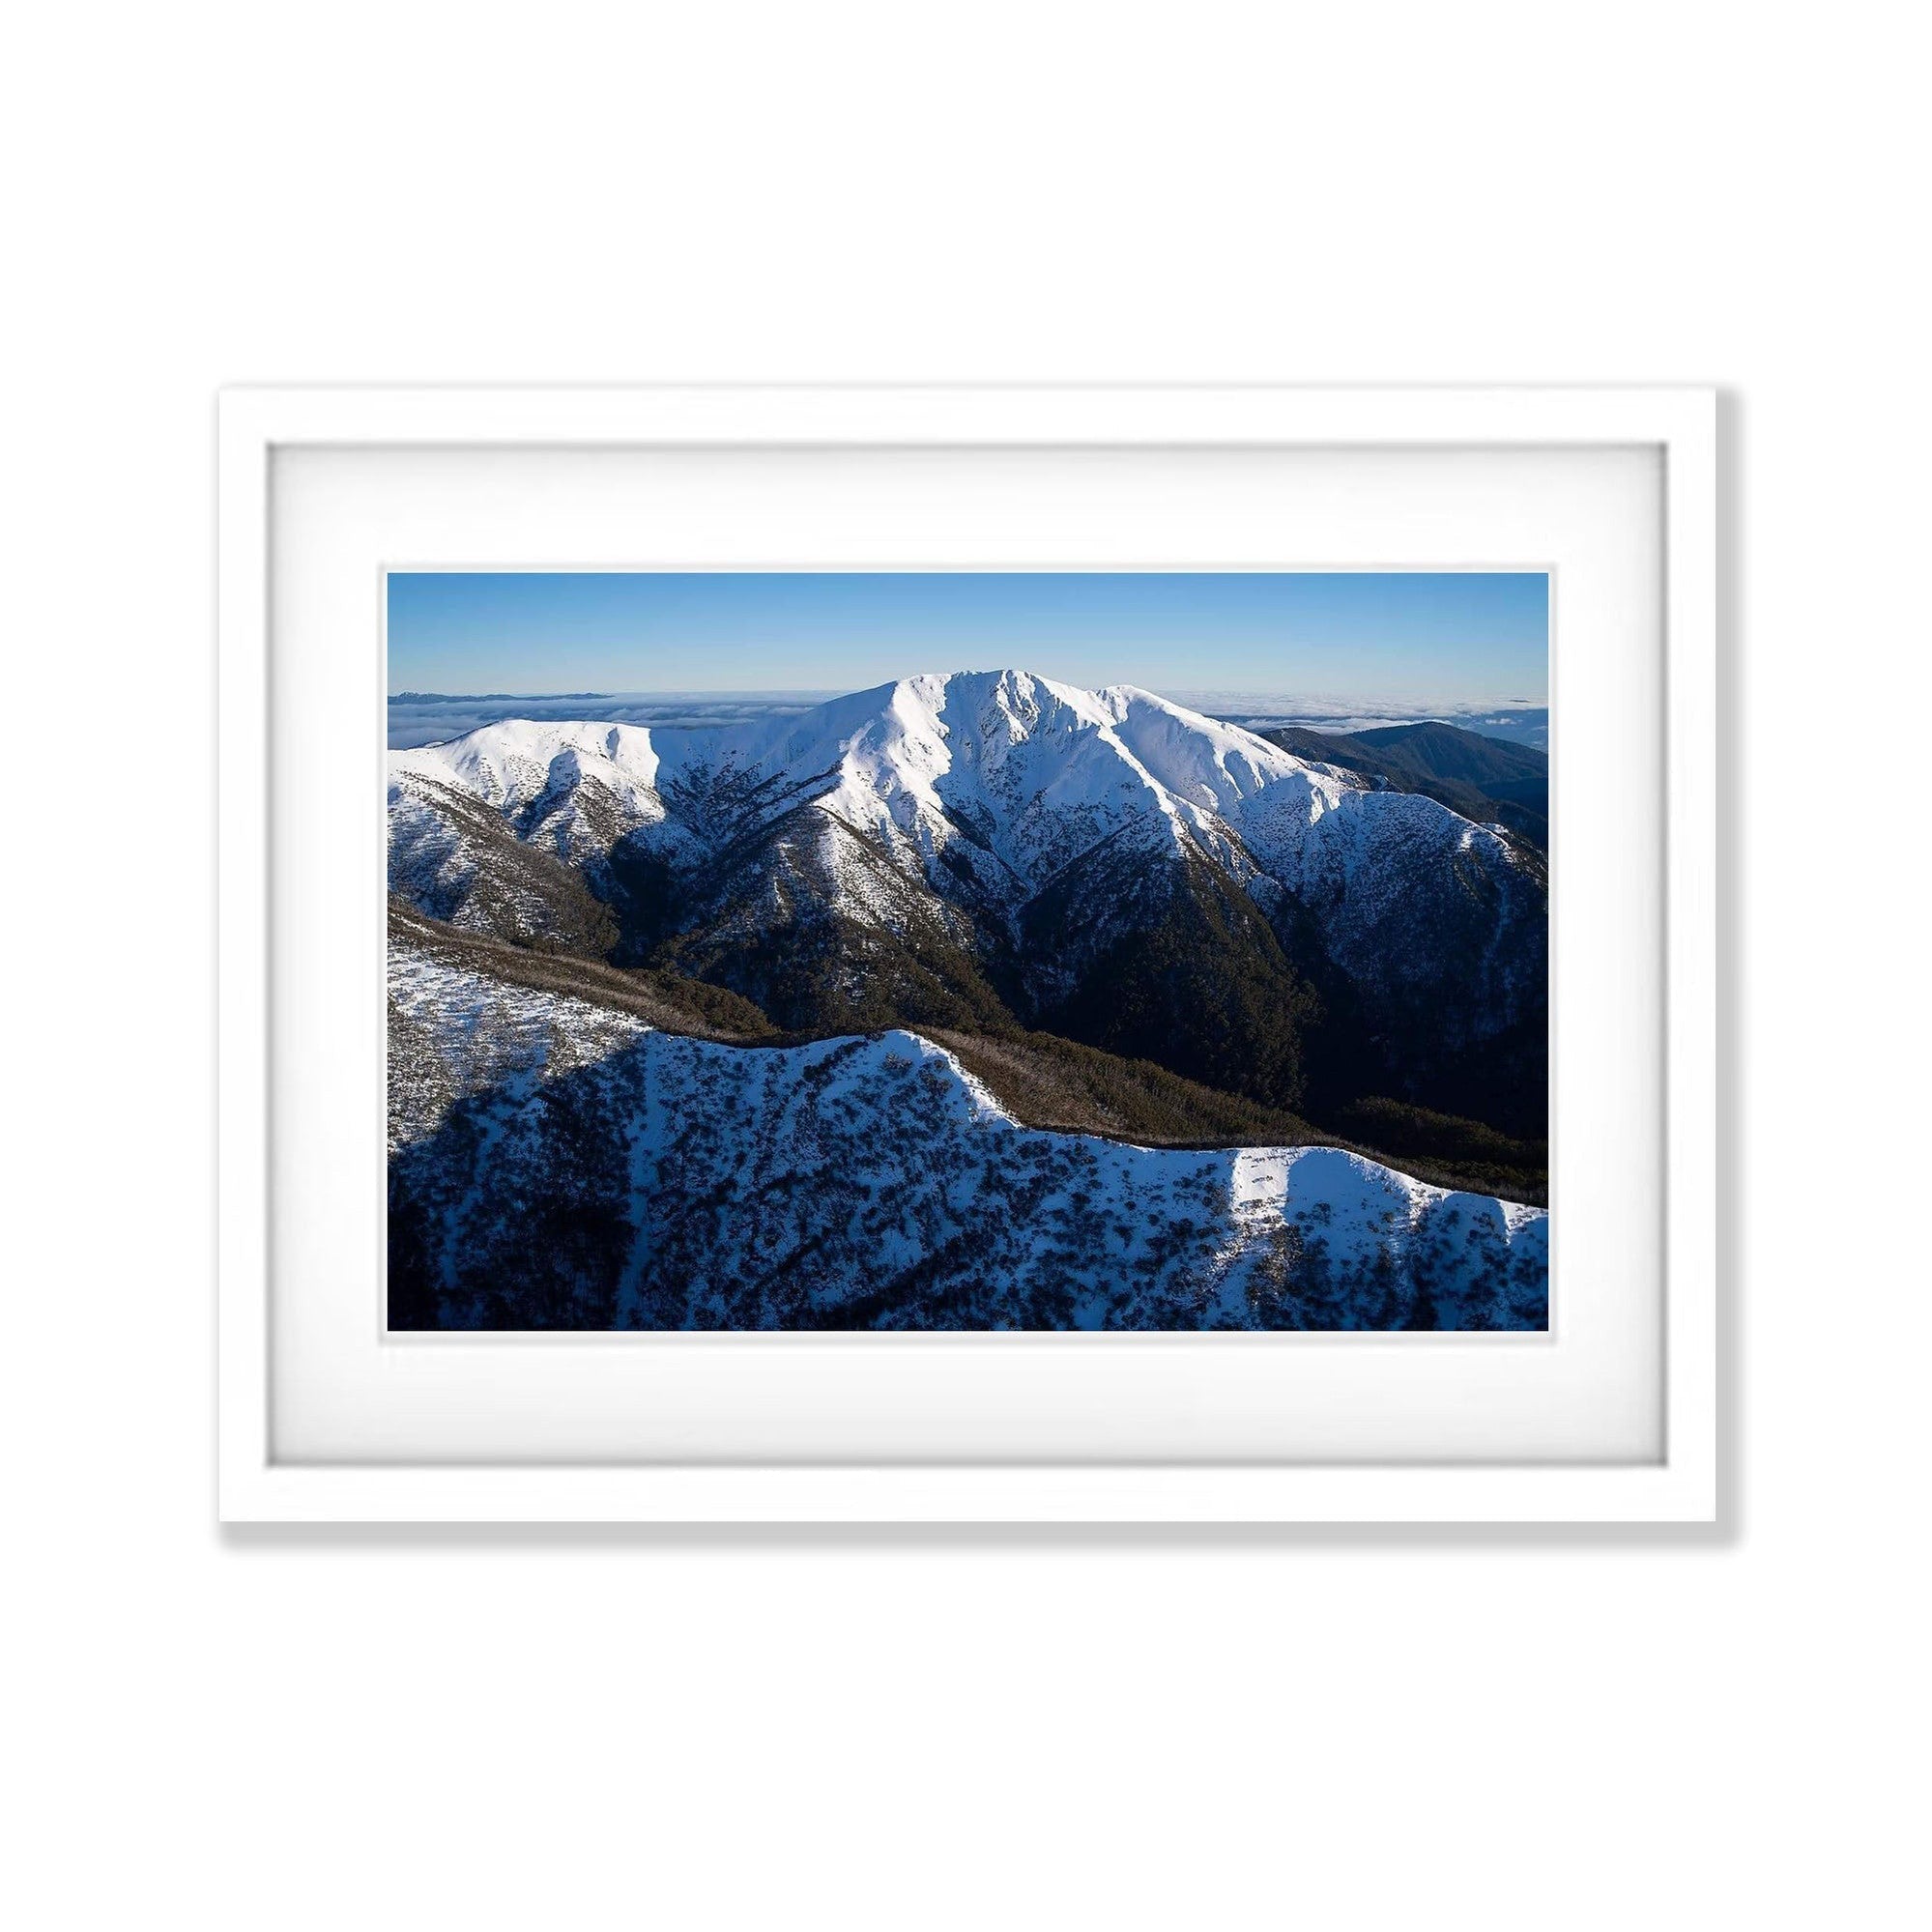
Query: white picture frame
(1677, 1484)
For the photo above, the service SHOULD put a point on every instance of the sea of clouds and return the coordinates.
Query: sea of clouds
(1513, 723)
(427, 717)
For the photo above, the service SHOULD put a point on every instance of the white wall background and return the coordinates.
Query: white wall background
(584, 1730)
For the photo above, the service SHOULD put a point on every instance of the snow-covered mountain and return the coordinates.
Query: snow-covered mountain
(1012, 774)
(946, 848)
(558, 1163)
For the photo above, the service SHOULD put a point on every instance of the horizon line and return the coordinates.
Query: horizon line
(1361, 701)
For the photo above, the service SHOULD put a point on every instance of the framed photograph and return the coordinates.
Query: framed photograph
(967, 954)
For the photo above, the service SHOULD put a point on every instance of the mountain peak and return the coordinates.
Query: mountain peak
(1022, 695)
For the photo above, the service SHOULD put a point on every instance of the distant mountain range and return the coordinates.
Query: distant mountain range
(1098, 910)
(1480, 778)
(1525, 724)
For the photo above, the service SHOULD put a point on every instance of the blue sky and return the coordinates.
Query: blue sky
(1408, 637)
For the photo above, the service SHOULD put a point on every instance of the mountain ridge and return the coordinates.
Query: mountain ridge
(1480, 778)
(559, 1164)
(972, 848)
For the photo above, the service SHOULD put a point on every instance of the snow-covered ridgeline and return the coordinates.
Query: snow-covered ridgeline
(873, 1178)
(1030, 769)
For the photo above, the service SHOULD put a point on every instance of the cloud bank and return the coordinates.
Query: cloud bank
(1513, 723)
(427, 717)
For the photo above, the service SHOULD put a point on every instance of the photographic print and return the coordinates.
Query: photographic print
(922, 951)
